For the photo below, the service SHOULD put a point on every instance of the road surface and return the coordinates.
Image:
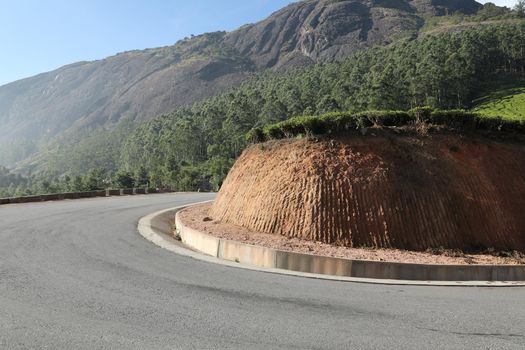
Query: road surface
(77, 275)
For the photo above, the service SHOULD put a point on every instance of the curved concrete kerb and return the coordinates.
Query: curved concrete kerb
(158, 227)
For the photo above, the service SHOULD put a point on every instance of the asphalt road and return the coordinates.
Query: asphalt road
(77, 275)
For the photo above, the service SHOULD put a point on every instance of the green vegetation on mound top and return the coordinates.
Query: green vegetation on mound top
(340, 122)
(509, 104)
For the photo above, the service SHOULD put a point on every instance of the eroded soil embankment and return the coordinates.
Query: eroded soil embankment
(387, 191)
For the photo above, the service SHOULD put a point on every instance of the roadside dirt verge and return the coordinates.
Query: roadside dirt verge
(198, 218)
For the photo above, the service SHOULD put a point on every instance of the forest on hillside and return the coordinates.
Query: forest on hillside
(193, 148)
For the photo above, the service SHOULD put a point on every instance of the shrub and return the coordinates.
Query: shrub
(255, 135)
(337, 122)
(273, 132)
(500, 124)
(385, 118)
(421, 114)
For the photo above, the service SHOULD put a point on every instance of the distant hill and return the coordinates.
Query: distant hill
(138, 85)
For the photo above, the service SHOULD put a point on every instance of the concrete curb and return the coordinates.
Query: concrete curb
(157, 228)
(271, 258)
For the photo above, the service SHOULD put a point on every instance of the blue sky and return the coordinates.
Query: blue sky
(38, 36)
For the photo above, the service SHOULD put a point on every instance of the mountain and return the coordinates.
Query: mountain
(315, 31)
(138, 85)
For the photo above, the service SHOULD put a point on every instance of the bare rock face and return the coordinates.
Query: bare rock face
(138, 85)
(313, 31)
(386, 191)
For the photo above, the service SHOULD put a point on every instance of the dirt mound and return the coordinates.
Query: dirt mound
(385, 191)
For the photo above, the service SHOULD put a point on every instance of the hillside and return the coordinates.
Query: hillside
(135, 86)
(132, 85)
(194, 148)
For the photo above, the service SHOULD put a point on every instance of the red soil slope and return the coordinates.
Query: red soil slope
(387, 191)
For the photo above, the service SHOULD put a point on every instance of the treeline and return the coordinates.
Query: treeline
(194, 147)
(9, 182)
(16, 185)
(488, 12)
(445, 71)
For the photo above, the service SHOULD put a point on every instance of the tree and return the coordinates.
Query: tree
(141, 177)
(218, 168)
(491, 11)
(94, 180)
(77, 184)
(520, 8)
(124, 179)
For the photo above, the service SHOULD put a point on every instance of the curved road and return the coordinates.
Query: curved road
(77, 275)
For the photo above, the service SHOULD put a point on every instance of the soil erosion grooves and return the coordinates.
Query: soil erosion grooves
(386, 191)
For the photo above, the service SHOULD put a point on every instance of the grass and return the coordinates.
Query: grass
(508, 104)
